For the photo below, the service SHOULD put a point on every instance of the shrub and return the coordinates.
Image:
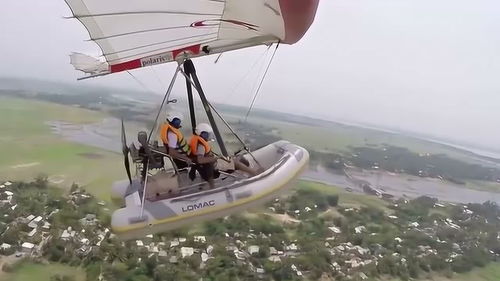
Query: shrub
(333, 200)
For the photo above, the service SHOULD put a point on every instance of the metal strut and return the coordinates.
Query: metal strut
(188, 79)
(165, 99)
(192, 113)
(191, 72)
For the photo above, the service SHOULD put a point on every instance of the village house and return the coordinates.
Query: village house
(174, 243)
(240, 255)
(359, 229)
(28, 247)
(335, 230)
(5, 247)
(89, 220)
(35, 222)
(204, 257)
(254, 249)
(200, 239)
(210, 248)
(274, 259)
(186, 252)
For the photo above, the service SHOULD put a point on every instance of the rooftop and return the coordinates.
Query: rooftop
(28, 245)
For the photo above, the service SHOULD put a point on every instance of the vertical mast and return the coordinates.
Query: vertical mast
(191, 71)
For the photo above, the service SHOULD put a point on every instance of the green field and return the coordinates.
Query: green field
(483, 186)
(29, 148)
(42, 272)
(346, 199)
(491, 272)
(338, 138)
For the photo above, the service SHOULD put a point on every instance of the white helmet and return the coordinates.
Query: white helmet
(203, 127)
(172, 115)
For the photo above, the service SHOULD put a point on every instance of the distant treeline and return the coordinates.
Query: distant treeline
(401, 160)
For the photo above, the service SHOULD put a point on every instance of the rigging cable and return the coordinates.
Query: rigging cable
(237, 85)
(165, 97)
(224, 121)
(140, 83)
(158, 77)
(261, 81)
(245, 147)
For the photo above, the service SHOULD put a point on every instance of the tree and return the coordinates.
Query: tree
(263, 252)
(333, 200)
(55, 250)
(11, 267)
(8, 252)
(477, 257)
(11, 236)
(74, 187)
(93, 271)
(215, 227)
(461, 265)
(284, 272)
(115, 272)
(58, 277)
(413, 267)
(7, 267)
(41, 181)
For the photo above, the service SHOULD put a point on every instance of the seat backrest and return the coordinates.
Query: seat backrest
(134, 153)
(162, 183)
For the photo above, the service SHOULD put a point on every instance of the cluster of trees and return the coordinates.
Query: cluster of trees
(305, 198)
(397, 159)
(392, 158)
(453, 250)
(115, 260)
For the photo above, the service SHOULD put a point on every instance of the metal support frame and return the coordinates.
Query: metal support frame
(190, 71)
(144, 190)
(165, 99)
(192, 113)
(225, 122)
(146, 168)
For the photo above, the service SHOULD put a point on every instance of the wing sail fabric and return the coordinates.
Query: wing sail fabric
(88, 64)
(139, 33)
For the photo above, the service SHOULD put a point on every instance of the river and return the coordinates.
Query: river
(106, 135)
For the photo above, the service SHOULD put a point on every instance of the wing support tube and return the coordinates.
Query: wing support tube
(190, 72)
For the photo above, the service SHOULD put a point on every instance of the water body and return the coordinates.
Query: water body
(402, 185)
(106, 135)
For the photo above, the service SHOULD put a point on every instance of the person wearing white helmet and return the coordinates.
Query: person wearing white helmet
(174, 141)
(201, 153)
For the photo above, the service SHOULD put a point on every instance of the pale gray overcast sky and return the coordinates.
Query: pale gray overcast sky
(429, 66)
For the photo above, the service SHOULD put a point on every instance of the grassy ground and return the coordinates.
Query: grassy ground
(28, 147)
(483, 186)
(339, 138)
(38, 272)
(491, 272)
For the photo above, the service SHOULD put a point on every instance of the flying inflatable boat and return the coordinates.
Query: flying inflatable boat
(161, 196)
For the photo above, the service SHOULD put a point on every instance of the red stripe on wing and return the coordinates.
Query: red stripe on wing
(126, 65)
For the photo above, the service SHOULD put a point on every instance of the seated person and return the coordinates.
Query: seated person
(146, 156)
(174, 142)
(204, 159)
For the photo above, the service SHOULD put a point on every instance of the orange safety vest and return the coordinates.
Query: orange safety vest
(197, 140)
(182, 145)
